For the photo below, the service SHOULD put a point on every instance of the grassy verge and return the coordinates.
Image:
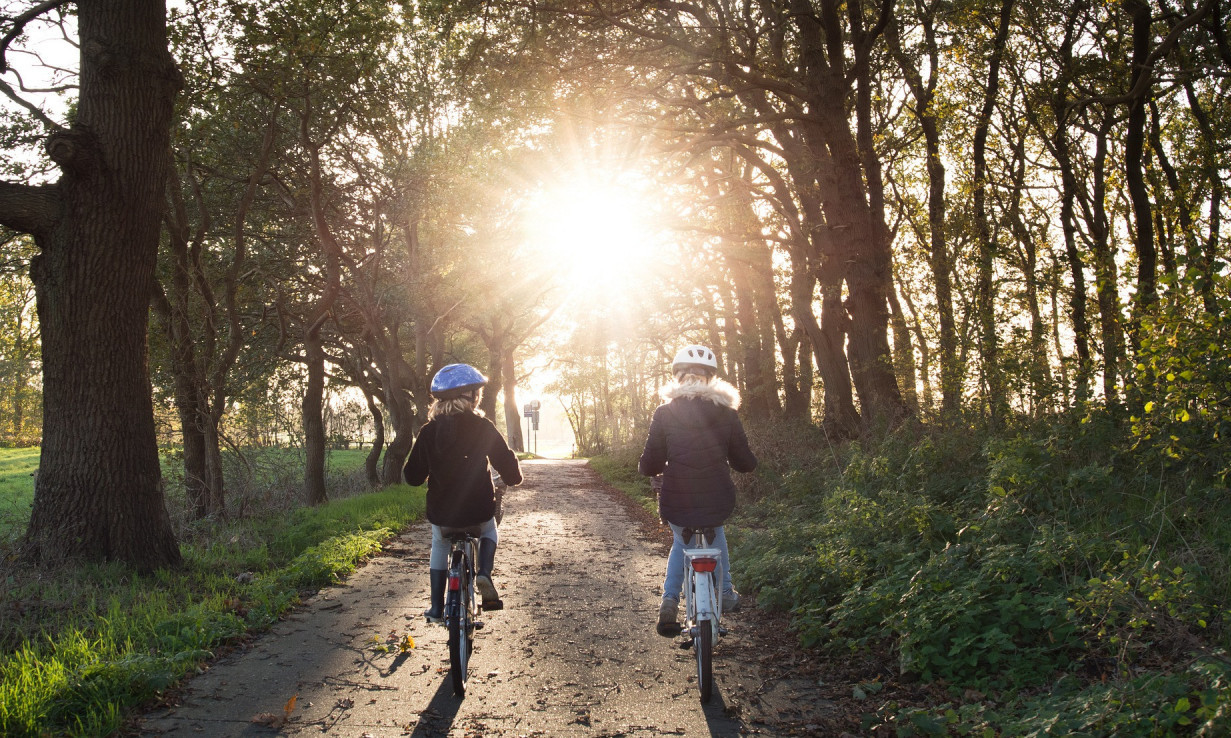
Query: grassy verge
(81, 647)
(1065, 579)
(620, 470)
(17, 467)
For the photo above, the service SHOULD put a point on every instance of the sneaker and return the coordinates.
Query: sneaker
(730, 601)
(434, 617)
(668, 626)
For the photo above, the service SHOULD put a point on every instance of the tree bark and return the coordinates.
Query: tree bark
(1134, 154)
(99, 492)
(313, 418)
(989, 341)
(371, 463)
(512, 417)
(1105, 269)
(938, 248)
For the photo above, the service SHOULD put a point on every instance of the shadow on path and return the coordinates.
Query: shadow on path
(437, 718)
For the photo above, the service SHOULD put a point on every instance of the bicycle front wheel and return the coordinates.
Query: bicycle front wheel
(703, 647)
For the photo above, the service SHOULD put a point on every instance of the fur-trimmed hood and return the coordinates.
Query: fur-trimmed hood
(716, 391)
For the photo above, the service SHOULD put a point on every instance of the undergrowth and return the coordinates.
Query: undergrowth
(619, 469)
(1069, 574)
(82, 646)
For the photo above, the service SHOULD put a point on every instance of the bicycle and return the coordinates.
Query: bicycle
(703, 603)
(461, 615)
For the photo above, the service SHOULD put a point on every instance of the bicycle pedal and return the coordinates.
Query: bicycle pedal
(722, 631)
(685, 645)
(478, 625)
(493, 605)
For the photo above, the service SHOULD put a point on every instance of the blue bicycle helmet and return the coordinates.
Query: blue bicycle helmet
(456, 380)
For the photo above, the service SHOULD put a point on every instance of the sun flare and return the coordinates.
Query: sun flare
(598, 238)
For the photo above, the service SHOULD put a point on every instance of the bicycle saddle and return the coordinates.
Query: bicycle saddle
(707, 535)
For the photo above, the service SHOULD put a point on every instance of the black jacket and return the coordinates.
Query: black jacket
(695, 440)
(451, 454)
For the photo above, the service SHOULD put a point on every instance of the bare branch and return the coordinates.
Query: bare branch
(19, 26)
(34, 110)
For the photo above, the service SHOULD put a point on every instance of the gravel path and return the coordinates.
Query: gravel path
(573, 652)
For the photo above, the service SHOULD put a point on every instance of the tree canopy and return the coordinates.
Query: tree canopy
(962, 212)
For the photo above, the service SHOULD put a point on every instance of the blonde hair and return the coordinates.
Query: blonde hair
(456, 406)
(692, 376)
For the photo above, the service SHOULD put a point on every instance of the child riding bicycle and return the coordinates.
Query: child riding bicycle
(695, 439)
(452, 454)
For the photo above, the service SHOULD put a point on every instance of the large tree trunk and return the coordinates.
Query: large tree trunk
(99, 491)
(859, 238)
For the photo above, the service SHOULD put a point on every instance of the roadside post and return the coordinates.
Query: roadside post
(531, 411)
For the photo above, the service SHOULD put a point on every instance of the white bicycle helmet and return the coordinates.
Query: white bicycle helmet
(694, 356)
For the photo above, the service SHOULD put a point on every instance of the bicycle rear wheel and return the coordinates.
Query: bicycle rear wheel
(461, 626)
(703, 647)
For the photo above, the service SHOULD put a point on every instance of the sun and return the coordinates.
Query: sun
(598, 238)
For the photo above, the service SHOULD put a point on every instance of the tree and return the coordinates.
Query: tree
(99, 494)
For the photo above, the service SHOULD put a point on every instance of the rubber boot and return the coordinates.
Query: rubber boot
(439, 578)
(487, 559)
(668, 626)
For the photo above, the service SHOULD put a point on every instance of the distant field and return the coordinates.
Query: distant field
(17, 466)
(347, 460)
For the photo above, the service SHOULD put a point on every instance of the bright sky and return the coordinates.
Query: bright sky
(600, 234)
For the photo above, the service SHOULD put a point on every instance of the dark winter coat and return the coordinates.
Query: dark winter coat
(451, 454)
(695, 440)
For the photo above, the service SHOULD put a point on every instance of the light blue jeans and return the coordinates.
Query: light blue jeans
(674, 583)
(439, 558)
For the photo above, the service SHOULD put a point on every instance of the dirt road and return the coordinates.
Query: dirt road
(573, 653)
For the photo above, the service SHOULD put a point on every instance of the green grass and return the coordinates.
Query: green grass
(258, 474)
(345, 461)
(83, 646)
(619, 469)
(17, 467)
